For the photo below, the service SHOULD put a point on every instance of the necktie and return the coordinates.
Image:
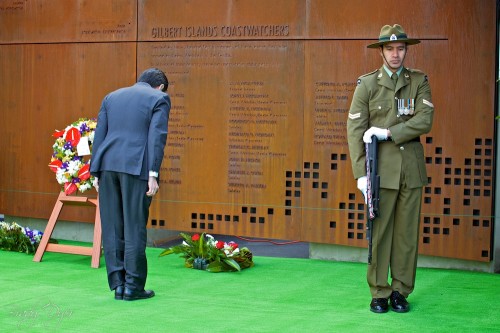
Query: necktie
(394, 78)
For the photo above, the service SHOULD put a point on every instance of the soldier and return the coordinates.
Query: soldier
(394, 104)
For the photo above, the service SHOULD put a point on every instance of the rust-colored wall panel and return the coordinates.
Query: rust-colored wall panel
(260, 93)
(333, 207)
(360, 19)
(222, 19)
(56, 21)
(47, 87)
(234, 107)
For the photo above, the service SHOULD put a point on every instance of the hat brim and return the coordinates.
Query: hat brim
(408, 41)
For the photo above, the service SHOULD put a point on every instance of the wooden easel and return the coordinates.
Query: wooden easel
(94, 251)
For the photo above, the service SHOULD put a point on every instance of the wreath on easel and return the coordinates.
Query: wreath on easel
(71, 157)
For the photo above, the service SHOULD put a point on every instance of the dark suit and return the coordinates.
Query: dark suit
(129, 142)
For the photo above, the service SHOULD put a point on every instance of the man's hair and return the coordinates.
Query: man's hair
(154, 77)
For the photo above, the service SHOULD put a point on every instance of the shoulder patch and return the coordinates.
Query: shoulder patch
(368, 74)
(413, 70)
(417, 73)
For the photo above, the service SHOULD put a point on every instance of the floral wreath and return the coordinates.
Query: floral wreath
(14, 237)
(204, 252)
(71, 157)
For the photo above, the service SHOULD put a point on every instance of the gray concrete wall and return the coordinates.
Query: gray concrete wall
(354, 254)
(83, 232)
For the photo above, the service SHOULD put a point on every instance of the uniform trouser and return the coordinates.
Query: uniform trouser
(124, 209)
(395, 242)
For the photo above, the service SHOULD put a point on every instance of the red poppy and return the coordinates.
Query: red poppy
(73, 136)
(54, 165)
(84, 173)
(195, 237)
(69, 188)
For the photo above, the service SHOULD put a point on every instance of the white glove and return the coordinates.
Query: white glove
(363, 185)
(95, 183)
(380, 133)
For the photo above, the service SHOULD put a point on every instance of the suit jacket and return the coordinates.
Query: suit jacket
(131, 131)
(375, 103)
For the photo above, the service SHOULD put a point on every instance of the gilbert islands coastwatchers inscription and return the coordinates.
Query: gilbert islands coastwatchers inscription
(224, 31)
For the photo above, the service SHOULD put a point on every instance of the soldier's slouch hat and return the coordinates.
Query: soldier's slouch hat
(391, 34)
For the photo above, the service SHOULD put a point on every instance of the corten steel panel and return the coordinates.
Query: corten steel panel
(456, 217)
(213, 180)
(221, 19)
(52, 21)
(44, 88)
(361, 19)
(331, 208)
(235, 131)
(457, 205)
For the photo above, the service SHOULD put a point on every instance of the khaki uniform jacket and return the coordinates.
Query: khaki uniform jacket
(375, 103)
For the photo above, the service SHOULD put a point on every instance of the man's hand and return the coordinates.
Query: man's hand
(152, 186)
(363, 185)
(380, 133)
(95, 183)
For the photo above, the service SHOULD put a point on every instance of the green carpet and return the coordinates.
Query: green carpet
(64, 294)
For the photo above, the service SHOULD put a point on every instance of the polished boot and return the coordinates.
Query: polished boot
(133, 295)
(399, 303)
(119, 292)
(379, 305)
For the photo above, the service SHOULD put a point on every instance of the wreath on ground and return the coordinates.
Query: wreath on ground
(204, 252)
(71, 157)
(14, 237)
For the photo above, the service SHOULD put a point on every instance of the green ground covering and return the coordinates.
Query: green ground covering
(64, 294)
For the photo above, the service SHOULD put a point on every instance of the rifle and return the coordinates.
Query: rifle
(372, 190)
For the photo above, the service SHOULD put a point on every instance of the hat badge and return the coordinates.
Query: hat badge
(393, 37)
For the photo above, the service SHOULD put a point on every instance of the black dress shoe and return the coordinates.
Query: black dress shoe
(379, 305)
(399, 303)
(132, 295)
(119, 292)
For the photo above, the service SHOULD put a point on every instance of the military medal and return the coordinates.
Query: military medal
(406, 106)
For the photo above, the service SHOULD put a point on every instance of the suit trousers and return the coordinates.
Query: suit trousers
(395, 242)
(124, 209)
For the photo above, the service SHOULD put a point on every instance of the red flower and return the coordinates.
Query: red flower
(54, 165)
(84, 173)
(69, 188)
(195, 237)
(58, 134)
(233, 245)
(73, 135)
(219, 245)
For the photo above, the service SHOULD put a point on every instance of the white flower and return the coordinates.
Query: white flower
(84, 186)
(61, 176)
(73, 167)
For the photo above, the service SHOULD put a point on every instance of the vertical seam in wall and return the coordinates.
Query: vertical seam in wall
(136, 38)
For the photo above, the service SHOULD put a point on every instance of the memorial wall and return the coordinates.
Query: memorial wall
(260, 94)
